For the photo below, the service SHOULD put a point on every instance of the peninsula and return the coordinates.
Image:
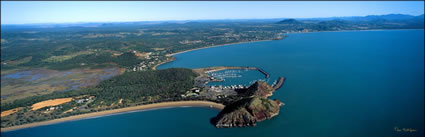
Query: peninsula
(253, 108)
(109, 97)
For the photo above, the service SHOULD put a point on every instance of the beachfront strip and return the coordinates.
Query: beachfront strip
(121, 110)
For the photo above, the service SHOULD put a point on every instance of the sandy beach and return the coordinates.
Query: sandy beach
(121, 110)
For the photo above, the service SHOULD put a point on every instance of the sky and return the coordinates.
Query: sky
(27, 12)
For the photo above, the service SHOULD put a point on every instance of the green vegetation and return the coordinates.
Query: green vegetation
(137, 47)
(66, 57)
(125, 60)
(134, 88)
(70, 47)
(66, 47)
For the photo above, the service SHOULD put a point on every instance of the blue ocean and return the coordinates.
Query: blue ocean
(354, 83)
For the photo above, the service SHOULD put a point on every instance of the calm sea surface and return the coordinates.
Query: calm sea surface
(360, 83)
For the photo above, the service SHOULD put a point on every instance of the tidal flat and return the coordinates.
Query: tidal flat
(32, 82)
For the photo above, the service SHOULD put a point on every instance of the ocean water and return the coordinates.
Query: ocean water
(359, 83)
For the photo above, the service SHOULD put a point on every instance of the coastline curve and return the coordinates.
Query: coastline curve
(147, 107)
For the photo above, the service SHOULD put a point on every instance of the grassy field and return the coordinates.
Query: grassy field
(66, 57)
(20, 61)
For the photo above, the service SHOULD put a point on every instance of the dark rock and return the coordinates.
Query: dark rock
(259, 89)
(246, 112)
(253, 108)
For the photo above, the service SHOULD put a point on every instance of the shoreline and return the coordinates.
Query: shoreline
(172, 54)
(119, 111)
(352, 30)
(184, 51)
(167, 61)
(155, 105)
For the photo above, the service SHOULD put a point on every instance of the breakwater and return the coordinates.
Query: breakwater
(279, 83)
(264, 72)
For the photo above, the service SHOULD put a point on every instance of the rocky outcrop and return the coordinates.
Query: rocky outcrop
(247, 112)
(253, 108)
(259, 89)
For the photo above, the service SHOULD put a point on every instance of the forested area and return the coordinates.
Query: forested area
(31, 46)
(131, 86)
(40, 44)
(134, 88)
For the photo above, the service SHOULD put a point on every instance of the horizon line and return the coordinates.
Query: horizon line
(81, 22)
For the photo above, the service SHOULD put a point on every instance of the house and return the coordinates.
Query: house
(195, 90)
(80, 101)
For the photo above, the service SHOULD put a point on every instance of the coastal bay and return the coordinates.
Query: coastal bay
(337, 83)
(212, 69)
(180, 52)
(209, 104)
(331, 72)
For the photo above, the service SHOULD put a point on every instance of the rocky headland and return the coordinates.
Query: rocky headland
(252, 108)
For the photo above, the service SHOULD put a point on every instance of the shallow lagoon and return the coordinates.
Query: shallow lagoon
(360, 83)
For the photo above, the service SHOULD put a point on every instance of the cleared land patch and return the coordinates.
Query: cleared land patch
(8, 112)
(52, 102)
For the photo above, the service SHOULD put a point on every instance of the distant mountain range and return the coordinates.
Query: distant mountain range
(376, 18)
(372, 17)
(390, 21)
(288, 21)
